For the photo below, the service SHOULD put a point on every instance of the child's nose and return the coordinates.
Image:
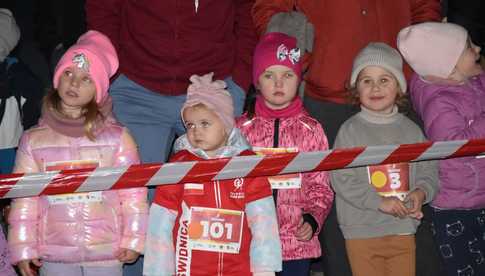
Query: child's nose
(197, 130)
(478, 49)
(279, 82)
(74, 82)
(375, 86)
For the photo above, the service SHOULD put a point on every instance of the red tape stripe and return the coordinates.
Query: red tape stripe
(9, 181)
(472, 147)
(339, 158)
(205, 171)
(136, 176)
(406, 153)
(61, 184)
(272, 164)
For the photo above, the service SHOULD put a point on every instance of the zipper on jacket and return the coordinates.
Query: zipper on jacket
(276, 142)
(217, 193)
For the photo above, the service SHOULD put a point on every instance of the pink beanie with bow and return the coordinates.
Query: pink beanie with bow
(276, 49)
(94, 53)
(213, 95)
(432, 48)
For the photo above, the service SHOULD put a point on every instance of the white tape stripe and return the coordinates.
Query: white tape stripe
(31, 185)
(102, 179)
(239, 167)
(373, 155)
(171, 173)
(440, 150)
(305, 161)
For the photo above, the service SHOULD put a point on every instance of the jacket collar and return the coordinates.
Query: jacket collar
(235, 145)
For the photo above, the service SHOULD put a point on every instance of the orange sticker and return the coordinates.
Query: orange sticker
(390, 179)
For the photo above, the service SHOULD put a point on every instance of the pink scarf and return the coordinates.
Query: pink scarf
(75, 127)
(261, 109)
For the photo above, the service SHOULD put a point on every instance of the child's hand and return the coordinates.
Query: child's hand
(393, 206)
(126, 255)
(415, 199)
(26, 269)
(304, 231)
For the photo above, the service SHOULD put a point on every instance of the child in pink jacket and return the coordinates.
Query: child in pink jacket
(281, 124)
(87, 233)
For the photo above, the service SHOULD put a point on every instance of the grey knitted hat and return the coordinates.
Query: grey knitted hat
(9, 33)
(379, 54)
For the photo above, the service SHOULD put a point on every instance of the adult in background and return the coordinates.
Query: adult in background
(341, 29)
(160, 45)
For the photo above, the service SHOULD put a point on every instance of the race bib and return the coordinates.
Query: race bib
(286, 181)
(74, 197)
(216, 230)
(70, 165)
(390, 179)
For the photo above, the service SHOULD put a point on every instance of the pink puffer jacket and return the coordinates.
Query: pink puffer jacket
(75, 228)
(315, 196)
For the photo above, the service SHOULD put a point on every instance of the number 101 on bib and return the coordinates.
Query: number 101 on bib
(216, 230)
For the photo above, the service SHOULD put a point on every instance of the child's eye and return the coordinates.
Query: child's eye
(87, 79)
(384, 80)
(189, 126)
(365, 81)
(68, 73)
(205, 124)
(289, 75)
(267, 76)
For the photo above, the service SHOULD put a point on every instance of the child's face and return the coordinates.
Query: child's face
(377, 88)
(468, 65)
(278, 85)
(76, 88)
(205, 130)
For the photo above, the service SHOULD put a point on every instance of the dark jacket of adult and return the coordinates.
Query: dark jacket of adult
(162, 43)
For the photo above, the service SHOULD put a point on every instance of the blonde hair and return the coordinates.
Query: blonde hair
(90, 111)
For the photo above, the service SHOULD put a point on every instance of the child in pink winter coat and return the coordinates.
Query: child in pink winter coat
(87, 233)
(281, 124)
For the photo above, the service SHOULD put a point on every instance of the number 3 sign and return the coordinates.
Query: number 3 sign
(217, 230)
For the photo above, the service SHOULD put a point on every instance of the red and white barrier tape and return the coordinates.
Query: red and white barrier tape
(86, 180)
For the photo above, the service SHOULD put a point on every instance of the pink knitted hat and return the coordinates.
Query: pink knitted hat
(212, 94)
(432, 49)
(95, 54)
(276, 49)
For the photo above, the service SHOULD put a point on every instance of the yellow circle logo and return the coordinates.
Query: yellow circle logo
(378, 179)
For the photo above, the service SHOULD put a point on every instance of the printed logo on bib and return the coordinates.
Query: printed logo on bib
(75, 197)
(216, 230)
(390, 179)
(286, 181)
